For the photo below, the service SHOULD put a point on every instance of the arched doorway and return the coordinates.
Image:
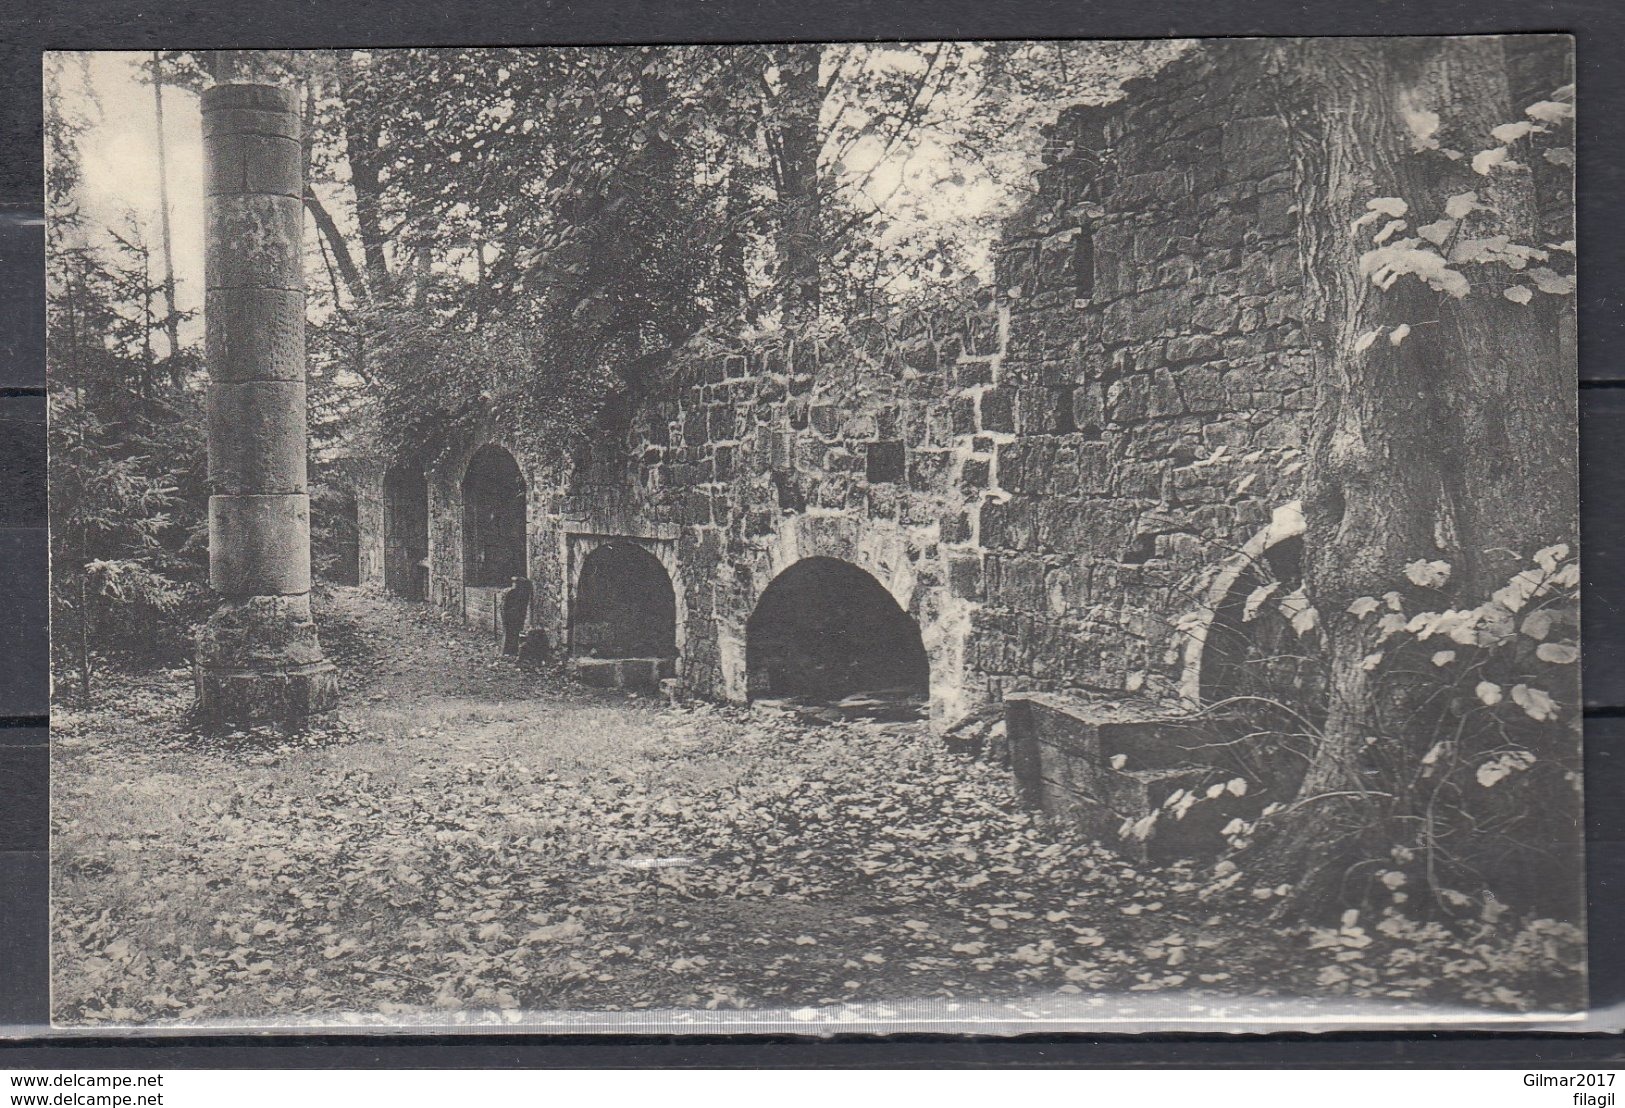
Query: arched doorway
(406, 531)
(493, 519)
(625, 606)
(825, 631)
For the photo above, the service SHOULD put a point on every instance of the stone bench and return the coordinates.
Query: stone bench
(1063, 750)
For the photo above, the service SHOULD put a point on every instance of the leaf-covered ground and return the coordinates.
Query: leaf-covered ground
(466, 836)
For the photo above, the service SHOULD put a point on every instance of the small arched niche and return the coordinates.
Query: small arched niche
(625, 606)
(1244, 647)
(1251, 647)
(493, 495)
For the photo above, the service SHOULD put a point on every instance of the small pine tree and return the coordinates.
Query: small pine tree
(128, 542)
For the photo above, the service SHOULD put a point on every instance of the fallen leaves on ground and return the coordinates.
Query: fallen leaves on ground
(471, 836)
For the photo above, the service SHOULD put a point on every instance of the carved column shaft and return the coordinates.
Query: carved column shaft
(259, 657)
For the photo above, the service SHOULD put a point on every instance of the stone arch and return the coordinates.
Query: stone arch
(406, 531)
(824, 629)
(1230, 649)
(625, 605)
(494, 518)
(877, 547)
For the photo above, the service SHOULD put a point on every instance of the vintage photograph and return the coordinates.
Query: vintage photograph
(971, 536)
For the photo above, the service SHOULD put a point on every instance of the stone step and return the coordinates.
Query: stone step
(623, 673)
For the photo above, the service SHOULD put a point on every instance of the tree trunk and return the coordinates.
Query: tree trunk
(325, 226)
(361, 139)
(1438, 428)
(1513, 386)
(792, 123)
(339, 249)
(171, 318)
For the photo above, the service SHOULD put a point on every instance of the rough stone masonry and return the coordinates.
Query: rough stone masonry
(1046, 476)
(258, 657)
(1056, 478)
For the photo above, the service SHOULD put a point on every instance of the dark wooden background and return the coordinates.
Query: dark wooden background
(28, 27)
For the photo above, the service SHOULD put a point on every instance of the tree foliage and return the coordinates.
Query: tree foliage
(126, 440)
(612, 204)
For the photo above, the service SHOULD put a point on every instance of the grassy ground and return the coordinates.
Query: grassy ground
(465, 835)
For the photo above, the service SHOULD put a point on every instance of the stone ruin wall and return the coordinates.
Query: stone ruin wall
(869, 448)
(1190, 341)
(1033, 477)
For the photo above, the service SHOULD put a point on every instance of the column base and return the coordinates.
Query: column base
(247, 696)
(259, 661)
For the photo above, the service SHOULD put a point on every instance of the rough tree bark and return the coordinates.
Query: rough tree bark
(171, 317)
(1444, 443)
(361, 138)
(791, 122)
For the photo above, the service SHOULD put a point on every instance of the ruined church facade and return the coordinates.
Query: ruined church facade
(1056, 486)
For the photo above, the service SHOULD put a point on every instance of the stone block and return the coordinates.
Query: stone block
(970, 372)
(926, 468)
(1089, 408)
(974, 476)
(996, 410)
(722, 463)
(1016, 268)
(1019, 584)
(723, 423)
(1164, 398)
(255, 334)
(1127, 399)
(920, 355)
(834, 494)
(826, 420)
(965, 576)
(1063, 752)
(1056, 258)
(1255, 147)
(232, 697)
(979, 336)
(257, 632)
(600, 673)
(885, 462)
(252, 162)
(257, 436)
(1190, 348)
(281, 106)
(259, 545)
(254, 241)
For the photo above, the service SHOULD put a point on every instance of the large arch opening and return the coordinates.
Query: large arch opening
(406, 531)
(826, 632)
(625, 606)
(493, 519)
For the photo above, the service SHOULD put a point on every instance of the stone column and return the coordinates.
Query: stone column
(258, 658)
